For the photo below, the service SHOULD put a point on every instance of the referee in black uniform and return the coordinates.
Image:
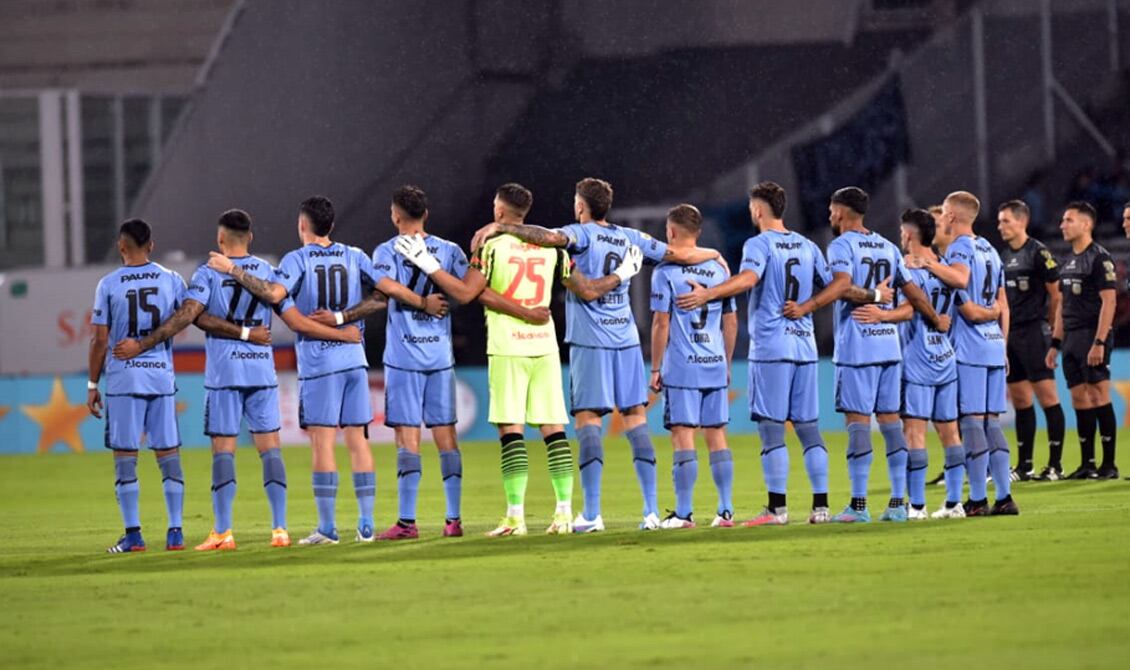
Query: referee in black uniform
(1032, 284)
(1087, 281)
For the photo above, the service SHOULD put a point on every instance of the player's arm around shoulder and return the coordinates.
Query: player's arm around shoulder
(265, 290)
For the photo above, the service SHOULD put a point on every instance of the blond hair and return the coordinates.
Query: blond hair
(965, 200)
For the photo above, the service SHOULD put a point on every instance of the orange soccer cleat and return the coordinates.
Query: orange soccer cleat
(221, 541)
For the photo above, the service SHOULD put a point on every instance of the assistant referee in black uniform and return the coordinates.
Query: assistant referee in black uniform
(1032, 284)
(1083, 332)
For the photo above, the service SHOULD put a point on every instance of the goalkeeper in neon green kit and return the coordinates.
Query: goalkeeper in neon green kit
(513, 280)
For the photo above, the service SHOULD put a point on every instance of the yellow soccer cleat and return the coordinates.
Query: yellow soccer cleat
(280, 538)
(217, 541)
(509, 526)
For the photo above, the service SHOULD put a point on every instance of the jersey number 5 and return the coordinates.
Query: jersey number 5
(527, 270)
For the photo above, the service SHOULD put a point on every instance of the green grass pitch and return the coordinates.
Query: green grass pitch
(1049, 589)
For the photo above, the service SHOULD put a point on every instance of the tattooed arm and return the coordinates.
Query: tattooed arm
(186, 314)
(543, 237)
(267, 291)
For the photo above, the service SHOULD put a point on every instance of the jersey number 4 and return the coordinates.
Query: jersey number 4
(527, 271)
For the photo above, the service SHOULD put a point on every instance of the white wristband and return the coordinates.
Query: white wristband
(878, 297)
(339, 318)
(91, 386)
(244, 333)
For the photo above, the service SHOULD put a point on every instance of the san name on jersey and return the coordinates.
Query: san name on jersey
(928, 355)
(597, 250)
(523, 273)
(132, 301)
(696, 353)
(868, 258)
(333, 277)
(234, 363)
(980, 344)
(789, 266)
(416, 340)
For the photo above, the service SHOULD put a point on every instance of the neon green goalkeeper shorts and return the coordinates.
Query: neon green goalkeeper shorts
(526, 390)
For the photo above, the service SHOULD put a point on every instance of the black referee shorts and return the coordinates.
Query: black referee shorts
(1076, 344)
(1028, 345)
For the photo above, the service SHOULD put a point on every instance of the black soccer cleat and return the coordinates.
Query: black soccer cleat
(1084, 472)
(979, 508)
(1108, 472)
(1049, 474)
(1006, 507)
(1022, 475)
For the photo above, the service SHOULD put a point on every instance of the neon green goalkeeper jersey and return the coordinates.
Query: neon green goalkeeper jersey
(524, 273)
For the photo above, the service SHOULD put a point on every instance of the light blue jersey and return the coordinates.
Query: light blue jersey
(132, 301)
(868, 258)
(233, 364)
(416, 340)
(789, 266)
(980, 344)
(596, 251)
(928, 356)
(333, 278)
(696, 353)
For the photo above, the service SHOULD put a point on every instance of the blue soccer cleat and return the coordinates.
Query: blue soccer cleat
(897, 514)
(127, 543)
(174, 540)
(366, 534)
(850, 515)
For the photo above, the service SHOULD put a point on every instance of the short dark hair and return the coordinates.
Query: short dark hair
(1084, 207)
(137, 230)
(772, 194)
(320, 211)
(516, 196)
(686, 216)
(597, 194)
(1017, 208)
(923, 221)
(412, 200)
(852, 197)
(236, 220)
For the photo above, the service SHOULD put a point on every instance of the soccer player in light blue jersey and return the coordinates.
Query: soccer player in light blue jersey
(929, 372)
(239, 375)
(333, 380)
(691, 351)
(419, 364)
(779, 266)
(140, 393)
(973, 268)
(606, 369)
(867, 356)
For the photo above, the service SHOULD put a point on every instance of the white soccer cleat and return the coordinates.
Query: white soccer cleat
(723, 520)
(317, 537)
(916, 514)
(955, 512)
(650, 522)
(672, 521)
(583, 525)
(819, 515)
